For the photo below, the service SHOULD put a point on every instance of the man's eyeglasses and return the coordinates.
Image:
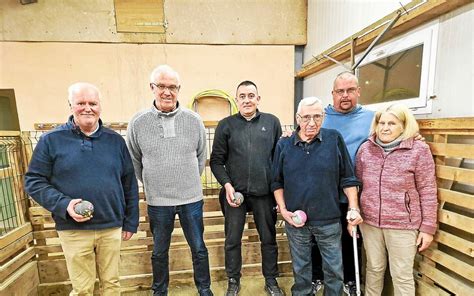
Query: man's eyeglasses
(349, 91)
(161, 87)
(315, 117)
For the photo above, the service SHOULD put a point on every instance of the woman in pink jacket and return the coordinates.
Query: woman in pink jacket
(398, 201)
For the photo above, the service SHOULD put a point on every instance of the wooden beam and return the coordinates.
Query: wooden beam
(457, 198)
(444, 280)
(460, 123)
(456, 220)
(455, 242)
(16, 246)
(11, 266)
(423, 288)
(10, 133)
(452, 150)
(15, 235)
(455, 174)
(458, 266)
(416, 17)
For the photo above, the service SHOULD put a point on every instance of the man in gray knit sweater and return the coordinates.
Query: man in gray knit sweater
(168, 149)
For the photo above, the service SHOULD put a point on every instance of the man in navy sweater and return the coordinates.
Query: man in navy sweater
(353, 122)
(308, 169)
(82, 160)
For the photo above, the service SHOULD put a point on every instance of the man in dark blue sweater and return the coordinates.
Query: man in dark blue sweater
(82, 160)
(308, 169)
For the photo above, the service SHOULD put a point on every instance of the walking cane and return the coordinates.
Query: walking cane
(356, 258)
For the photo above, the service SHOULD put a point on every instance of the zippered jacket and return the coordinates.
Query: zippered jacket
(398, 187)
(242, 152)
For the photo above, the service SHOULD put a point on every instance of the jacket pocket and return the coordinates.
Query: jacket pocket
(407, 205)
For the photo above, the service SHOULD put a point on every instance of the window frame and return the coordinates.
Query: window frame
(426, 35)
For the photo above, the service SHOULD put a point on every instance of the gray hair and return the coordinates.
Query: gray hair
(309, 101)
(164, 69)
(346, 75)
(80, 86)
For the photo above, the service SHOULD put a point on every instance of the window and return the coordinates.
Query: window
(401, 70)
(8, 112)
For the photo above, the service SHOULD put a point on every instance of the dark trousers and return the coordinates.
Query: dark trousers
(347, 252)
(264, 215)
(162, 225)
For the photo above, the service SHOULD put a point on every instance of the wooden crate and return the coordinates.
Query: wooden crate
(446, 268)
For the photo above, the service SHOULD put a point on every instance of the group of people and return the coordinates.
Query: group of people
(391, 193)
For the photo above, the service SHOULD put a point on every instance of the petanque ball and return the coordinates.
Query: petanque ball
(299, 217)
(238, 198)
(84, 208)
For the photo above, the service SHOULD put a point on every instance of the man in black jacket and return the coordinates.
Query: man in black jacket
(241, 161)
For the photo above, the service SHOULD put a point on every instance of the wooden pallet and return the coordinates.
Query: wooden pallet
(447, 267)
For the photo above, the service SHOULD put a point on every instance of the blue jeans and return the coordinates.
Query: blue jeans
(328, 238)
(162, 225)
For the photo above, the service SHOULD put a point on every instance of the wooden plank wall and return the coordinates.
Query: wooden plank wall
(447, 267)
(136, 253)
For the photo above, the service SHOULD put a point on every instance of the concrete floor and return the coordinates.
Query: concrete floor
(250, 286)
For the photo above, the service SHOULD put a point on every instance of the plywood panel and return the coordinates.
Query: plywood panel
(144, 16)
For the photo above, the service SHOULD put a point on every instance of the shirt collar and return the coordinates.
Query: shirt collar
(298, 140)
(168, 114)
(257, 115)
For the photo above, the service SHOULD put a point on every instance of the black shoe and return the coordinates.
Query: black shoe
(272, 288)
(317, 286)
(233, 287)
(207, 292)
(350, 289)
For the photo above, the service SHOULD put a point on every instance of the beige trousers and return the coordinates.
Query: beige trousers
(400, 246)
(84, 249)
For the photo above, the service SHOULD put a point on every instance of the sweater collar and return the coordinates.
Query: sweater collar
(77, 130)
(166, 114)
(298, 140)
(404, 144)
(257, 115)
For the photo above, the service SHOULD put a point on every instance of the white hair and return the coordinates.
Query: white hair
(309, 101)
(164, 69)
(81, 86)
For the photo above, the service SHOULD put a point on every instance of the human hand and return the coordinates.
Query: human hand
(288, 216)
(353, 217)
(73, 214)
(286, 134)
(419, 137)
(423, 241)
(229, 195)
(126, 235)
(352, 229)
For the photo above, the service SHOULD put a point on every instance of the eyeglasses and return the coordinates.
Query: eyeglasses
(315, 117)
(162, 87)
(349, 91)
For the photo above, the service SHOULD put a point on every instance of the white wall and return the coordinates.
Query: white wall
(454, 76)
